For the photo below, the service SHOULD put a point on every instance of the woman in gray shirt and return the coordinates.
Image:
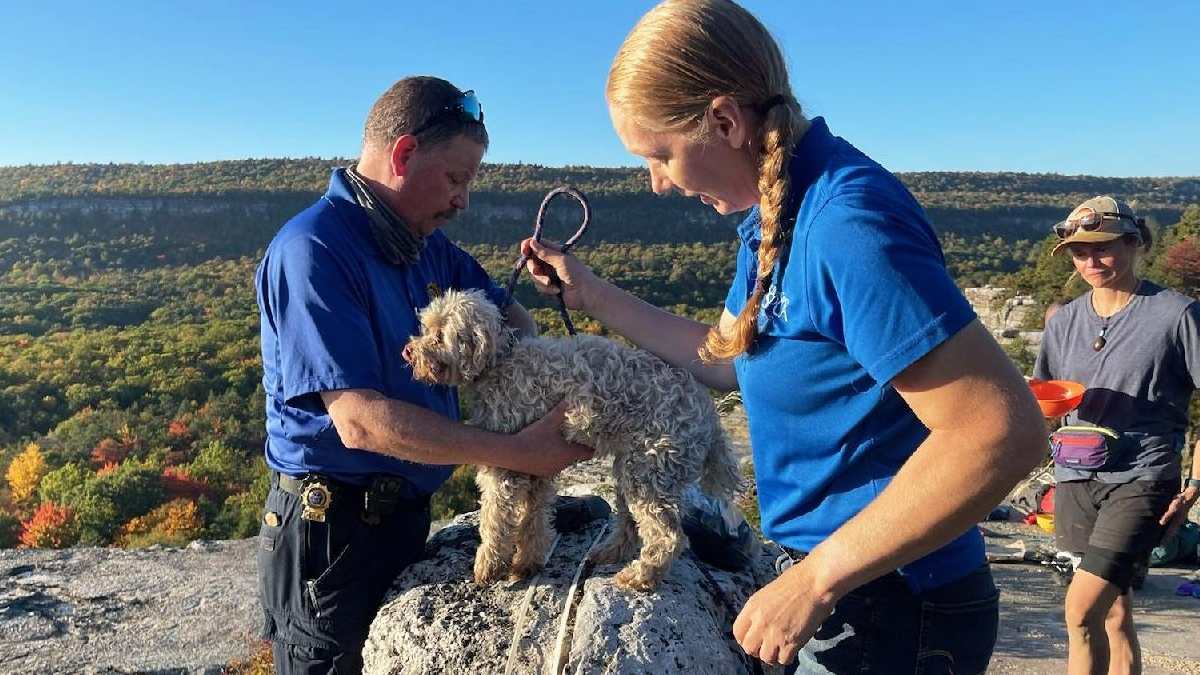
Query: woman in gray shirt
(1136, 347)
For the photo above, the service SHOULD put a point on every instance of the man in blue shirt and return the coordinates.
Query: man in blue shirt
(354, 444)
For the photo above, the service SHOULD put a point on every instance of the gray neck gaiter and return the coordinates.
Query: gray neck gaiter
(398, 244)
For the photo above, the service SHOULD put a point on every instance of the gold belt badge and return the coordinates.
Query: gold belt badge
(316, 499)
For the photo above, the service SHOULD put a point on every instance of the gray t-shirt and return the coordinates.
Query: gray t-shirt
(1139, 384)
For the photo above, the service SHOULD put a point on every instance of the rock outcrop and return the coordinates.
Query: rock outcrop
(1006, 315)
(104, 611)
(569, 619)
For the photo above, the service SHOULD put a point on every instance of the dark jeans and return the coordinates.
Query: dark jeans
(321, 584)
(882, 628)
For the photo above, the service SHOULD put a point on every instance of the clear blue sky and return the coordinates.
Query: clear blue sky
(1099, 87)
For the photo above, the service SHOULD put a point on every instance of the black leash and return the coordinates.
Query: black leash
(755, 664)
(566, 247)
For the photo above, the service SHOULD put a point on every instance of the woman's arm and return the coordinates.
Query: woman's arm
(672, 338)
(986, 433)
(1177, 511)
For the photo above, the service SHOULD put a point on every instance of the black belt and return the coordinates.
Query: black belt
(383, 495)
(295, 486)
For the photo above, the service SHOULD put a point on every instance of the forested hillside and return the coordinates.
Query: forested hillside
(130, 403)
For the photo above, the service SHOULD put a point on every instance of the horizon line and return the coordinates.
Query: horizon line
(624, 167)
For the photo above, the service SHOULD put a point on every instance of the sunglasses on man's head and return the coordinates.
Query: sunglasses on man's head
(465, 109)
(1089, 222)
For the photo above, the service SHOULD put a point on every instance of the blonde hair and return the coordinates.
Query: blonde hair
(678, 58)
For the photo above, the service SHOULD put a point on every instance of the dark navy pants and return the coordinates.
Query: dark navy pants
(321, 584)
(884, 629)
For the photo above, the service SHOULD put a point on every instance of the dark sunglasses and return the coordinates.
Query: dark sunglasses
(1090, 222)
(465, 109)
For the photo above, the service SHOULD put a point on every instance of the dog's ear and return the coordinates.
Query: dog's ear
(485, 326)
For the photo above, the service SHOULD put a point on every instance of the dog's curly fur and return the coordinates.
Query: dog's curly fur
(657, 422)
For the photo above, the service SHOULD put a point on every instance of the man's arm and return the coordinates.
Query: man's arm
(368, 420)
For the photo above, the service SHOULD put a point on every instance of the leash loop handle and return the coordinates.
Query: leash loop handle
(541, 216)
(538, 226)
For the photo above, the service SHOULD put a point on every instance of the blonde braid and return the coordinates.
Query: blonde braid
(778, 135)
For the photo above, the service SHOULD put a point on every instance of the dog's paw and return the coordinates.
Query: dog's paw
(638, 577)
(488, 571)
(609, 553)
(524, 571)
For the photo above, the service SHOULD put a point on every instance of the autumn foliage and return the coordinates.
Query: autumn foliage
(179, 430)
(1183, 259)
(25, 473)
(108, 451)
(173, 524)
(257, 662)
(182, 486)
(52, 526)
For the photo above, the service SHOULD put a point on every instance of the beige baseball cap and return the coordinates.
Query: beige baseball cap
(1096, 220)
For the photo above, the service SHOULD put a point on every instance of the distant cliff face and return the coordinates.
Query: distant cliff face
(241, 223)
(126, 207)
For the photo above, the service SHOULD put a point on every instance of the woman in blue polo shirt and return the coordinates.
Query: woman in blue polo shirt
(885, 421)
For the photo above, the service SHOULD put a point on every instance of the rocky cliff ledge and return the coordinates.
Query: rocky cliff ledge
(189, 611)
(1006, 315)
(103, 611)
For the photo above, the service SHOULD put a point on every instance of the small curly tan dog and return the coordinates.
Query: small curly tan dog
(657, 422)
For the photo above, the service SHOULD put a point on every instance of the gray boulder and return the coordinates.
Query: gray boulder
(150, 611)
(569, 619)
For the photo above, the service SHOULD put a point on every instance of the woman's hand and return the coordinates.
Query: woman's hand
(1177, 512)
(782, 616)
(552, 271)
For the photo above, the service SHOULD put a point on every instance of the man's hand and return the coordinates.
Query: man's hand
(549, 453)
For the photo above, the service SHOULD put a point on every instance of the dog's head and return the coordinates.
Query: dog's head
(460, 334)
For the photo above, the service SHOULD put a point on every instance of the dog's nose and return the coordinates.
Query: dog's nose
(406, 353)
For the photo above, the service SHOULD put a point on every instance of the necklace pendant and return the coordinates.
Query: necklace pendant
(1099, 343)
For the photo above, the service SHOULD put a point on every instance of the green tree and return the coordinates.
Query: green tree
(241, 514)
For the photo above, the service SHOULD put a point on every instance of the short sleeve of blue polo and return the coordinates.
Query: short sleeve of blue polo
(879, 285)
(869, 281)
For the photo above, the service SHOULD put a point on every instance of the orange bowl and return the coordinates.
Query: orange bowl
(1057, 397)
